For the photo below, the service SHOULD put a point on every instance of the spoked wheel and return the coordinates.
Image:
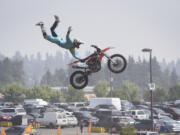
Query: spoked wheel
(117, 64)
(79, 80)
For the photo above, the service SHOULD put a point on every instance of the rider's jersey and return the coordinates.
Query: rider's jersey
(68, 44)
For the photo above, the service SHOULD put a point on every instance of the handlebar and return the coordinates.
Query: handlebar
(97, 48)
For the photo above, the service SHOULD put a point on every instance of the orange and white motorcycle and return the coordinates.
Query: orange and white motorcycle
(79, 79)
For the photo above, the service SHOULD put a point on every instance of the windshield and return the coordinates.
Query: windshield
(166, 118)
(171, 122)
(79, 105)
(140, 112)
(123, 119)
(159, 111)
(8, 110)
(87, 114)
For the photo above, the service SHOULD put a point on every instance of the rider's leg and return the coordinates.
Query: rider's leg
(41, 24)
(53, 32)
(45, 35)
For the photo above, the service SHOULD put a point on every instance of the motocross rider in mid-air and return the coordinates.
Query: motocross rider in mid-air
(69, 44)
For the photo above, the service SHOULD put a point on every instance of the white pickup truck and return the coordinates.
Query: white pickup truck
(116, 102)
(53, 119)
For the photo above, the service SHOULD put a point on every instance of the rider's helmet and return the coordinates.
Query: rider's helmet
(77, 43)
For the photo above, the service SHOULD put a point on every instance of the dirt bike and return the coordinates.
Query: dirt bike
(79, 79)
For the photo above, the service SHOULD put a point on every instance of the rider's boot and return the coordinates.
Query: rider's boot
(56, 18)
(41, 24)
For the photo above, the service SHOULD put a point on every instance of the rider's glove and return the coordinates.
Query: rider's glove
(69, 29)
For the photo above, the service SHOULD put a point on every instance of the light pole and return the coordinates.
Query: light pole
(111, 88)
(151, 85)
(111, 81)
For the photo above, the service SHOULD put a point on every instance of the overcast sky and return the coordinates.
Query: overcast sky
(128, 25)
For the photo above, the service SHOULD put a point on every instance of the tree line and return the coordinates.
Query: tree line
(131, 92)
(52, 71)
(15, 92)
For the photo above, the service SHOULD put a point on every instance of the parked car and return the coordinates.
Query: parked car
(122, 121)
(146, 133)
(101, 113)
(5, 117)
(86, 108)
(166, 118)
(86, 117)
(61, 105)
(17, 130)
(75, 106)
(105, 122)
(126, 105)
(72, 120)
(142, 106)
(138, 114)
(13, 111)
(174, 111)
(115, 122)
(105, 106)
(22, 120)
(143, 124)
(160, 112)
(116, 102)
(169, 126)
(52, 119)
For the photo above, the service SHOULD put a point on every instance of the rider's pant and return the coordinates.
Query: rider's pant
(53, 32)
(54, 38)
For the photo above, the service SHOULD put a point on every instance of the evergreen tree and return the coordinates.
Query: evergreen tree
(11, 71)
(178, 67)
(47, 79)
(173, 77)
(174, 92)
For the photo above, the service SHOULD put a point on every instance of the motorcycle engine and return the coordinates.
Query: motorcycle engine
(94, 64)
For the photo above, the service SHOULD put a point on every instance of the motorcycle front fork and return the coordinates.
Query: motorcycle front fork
(87, 72)
(109, 58)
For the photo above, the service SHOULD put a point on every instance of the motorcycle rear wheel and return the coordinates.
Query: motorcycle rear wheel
(119, 65)
(79, 80)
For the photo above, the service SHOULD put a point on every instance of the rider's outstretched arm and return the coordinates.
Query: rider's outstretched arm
(74, 54)
(68, 32)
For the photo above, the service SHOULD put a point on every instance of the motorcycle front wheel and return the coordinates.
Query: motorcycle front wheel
(79, 80)
(117, 63)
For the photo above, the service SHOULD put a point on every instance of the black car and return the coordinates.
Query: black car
(105, 106)
(175, 112)
(160, 112)
(115, 122)
(86, 117)
(143, 124)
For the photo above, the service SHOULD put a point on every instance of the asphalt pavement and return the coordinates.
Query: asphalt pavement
(68, 131)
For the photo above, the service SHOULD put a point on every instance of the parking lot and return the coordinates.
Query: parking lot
(165, 117)
(68, 131)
